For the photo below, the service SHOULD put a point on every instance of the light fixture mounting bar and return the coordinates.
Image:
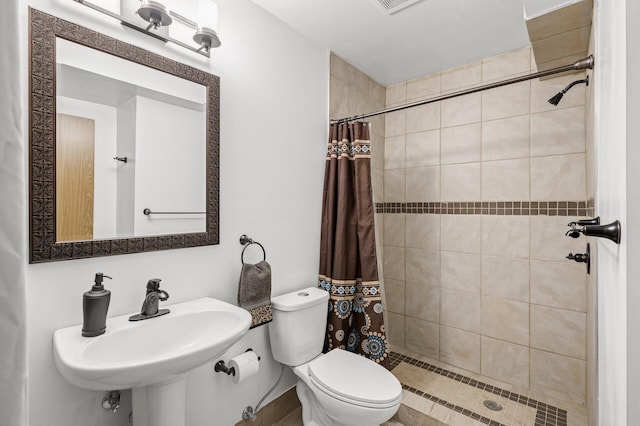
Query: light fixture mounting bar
(126, 22)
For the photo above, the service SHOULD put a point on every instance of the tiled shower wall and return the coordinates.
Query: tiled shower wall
(478, 191)
(491, 293)
(353, 92)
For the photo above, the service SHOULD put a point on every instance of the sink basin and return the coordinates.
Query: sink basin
(157, 352)
(133, 354)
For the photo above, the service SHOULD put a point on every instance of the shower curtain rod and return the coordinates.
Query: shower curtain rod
(582, 64)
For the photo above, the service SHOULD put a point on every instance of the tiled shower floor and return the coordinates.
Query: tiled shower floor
(455, 397)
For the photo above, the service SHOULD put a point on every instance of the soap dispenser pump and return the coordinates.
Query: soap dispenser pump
(95, 304)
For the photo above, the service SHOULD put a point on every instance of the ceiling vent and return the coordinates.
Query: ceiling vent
(393, 6)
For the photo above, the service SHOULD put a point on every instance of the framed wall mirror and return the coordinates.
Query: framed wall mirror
(124, 147)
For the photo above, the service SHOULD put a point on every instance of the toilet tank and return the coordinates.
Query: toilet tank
(299, 325)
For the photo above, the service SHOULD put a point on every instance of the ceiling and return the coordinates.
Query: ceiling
(427, 37)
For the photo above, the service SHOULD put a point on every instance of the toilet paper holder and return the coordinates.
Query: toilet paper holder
(221, 367)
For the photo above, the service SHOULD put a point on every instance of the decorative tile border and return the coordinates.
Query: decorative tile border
(500, 208)
(546, 415)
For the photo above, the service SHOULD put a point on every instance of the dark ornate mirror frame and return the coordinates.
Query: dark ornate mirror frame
(44, 29)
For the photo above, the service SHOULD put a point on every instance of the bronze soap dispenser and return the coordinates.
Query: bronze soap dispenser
(95, 304)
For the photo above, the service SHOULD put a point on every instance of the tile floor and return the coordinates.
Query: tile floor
(435, 393)
(456, 397)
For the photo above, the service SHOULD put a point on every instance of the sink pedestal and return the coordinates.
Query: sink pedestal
(161, 404)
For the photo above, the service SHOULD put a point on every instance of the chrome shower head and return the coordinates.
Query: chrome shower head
(556, 99)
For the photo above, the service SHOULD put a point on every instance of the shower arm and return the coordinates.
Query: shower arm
(582, 64)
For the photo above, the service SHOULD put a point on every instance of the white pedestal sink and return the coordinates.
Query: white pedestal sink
(153, 357)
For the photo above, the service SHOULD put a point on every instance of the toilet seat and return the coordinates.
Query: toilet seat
(355, 380)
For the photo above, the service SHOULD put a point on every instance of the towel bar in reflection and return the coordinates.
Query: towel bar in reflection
(148, 212)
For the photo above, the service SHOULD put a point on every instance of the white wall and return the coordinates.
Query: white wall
(633, 207)
(611, 203)
(274, 91)
(163, 154)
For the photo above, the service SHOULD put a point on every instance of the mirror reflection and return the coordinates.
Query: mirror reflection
(129, 139)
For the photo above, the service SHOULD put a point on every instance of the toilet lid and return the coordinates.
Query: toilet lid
(351, 377)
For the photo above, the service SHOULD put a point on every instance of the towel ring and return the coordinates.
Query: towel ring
(246, 241)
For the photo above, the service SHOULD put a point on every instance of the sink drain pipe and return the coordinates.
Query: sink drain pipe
(249, 413)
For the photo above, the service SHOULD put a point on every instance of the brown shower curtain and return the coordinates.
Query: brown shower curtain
(348, 262)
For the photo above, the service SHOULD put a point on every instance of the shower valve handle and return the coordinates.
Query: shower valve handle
(579, 257)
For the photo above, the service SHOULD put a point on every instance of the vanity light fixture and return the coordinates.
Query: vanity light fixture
(158, 15)
(206, 35)
(155, 13)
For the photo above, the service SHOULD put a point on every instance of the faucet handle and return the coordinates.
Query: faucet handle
(584, 222)
(163, 295)
(153, 285)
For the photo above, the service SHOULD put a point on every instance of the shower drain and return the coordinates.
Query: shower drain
(492, 405)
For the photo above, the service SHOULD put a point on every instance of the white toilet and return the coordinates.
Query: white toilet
(338, 388)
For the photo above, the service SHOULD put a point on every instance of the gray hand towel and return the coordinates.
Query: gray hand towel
(254, 292)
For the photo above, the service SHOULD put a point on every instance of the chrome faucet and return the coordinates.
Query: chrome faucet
(150, 305)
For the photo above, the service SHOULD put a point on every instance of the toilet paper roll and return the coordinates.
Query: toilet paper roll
(245, 365)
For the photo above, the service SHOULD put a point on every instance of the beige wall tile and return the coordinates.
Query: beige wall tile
(338, 98)
(426, 117)
(423, 301)
(424, 87)
(394, 149)
(506, 101)
(505, 361)
(379, 233)
(461, 182)
(461, 233)
(377, 151)
(460, 271)
(559, 331)
(461, 144)
(339, 67)
(543, 90)
(378, 93)
(394, 230)
(394, 291)
(377, 183)
(423, 266)
(560, 20)
(361, 82)
(505, 277)
(394, 123)
(510, 64)
(394, 186)
(558, 132)
(423, 149)
(461, 77)
(422, 231)
(460, 309)
(506, 138)
(559, 284)
(505, 319)
(460, 348)
(558, 376)
(422, 337)
(396, 94)
(559, 177)
(377, 125)
(423, 184)
(506, 236)
(561, 45)
(357, 102)
(393, 263)
(505, 180)
(395, 326)
(548, 241)
(462, 110)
